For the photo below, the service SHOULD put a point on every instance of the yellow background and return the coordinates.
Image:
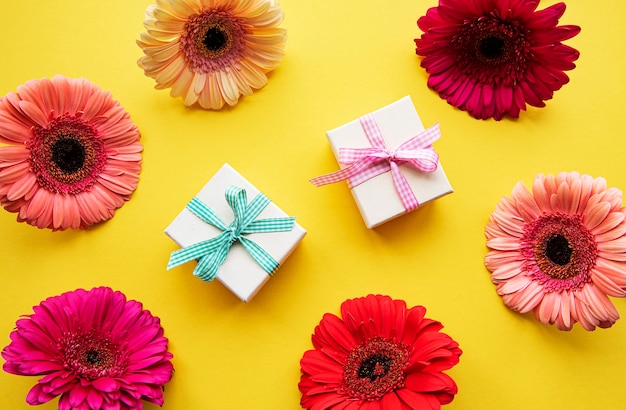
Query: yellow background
(343, 59)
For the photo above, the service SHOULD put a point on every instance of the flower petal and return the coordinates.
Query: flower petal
(597, 214)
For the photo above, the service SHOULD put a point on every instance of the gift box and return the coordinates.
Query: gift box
(266, 240)
(382, 194)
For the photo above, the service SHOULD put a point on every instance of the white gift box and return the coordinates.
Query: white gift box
(377, 198)
(240, 272)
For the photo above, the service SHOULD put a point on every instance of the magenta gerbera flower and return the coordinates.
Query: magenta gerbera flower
(492, 57)
(560, 250)
(72, 155)
(94, 349)
(378, 355)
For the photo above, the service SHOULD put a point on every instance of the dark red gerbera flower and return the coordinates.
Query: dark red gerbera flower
(378, 355)
(492, 57)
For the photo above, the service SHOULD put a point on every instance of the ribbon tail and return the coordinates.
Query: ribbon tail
(343, 174)
(409, 201)
(209, 265)
(260, 255)
(189, 253)
(196, 251)
(175, 260)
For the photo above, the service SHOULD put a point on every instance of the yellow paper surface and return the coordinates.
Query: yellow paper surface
(343, 59)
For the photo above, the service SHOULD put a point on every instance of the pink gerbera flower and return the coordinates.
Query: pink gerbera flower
(71, 155)
(94, 348)
(378, 355)
(212, 51)
(492, 57)
(560, 250)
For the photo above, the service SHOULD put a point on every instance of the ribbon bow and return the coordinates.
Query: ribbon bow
(366, 163)
(211, 253)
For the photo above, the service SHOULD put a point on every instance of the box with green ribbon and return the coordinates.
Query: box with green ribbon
(234, 233)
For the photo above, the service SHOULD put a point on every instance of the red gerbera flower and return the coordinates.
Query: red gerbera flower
(94, 348)
(72, 157)
(492, 57)
(560, 250)
(378, 355)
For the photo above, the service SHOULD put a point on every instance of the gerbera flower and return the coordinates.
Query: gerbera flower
(560, 250)
(212, 51)
(94, 348)
(492, 57)
(378, 355)
(71, 154)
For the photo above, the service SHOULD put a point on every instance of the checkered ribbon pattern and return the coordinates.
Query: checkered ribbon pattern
(211, 253)
(366, 163)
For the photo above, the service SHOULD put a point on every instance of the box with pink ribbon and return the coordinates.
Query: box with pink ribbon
(233, 233)
(389, 161)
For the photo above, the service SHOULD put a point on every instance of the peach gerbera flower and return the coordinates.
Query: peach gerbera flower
(71, 154)
(211, 51)
(560, 250)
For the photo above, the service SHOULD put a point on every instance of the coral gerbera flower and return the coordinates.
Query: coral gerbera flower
(212, 51)
(378, 355)
(560, 250)
(492, 57)
(71, 154)
(94, 348)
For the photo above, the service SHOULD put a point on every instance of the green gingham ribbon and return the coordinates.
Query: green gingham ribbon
(211, 253)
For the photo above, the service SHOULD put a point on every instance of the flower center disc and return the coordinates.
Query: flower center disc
(374, 368)
(491, 47)
(212, 40)
(67, 156)
(215, 39)
(90, 355)
(559, 251)
(492, 51)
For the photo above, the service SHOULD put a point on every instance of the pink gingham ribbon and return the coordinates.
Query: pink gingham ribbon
(366, 163)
